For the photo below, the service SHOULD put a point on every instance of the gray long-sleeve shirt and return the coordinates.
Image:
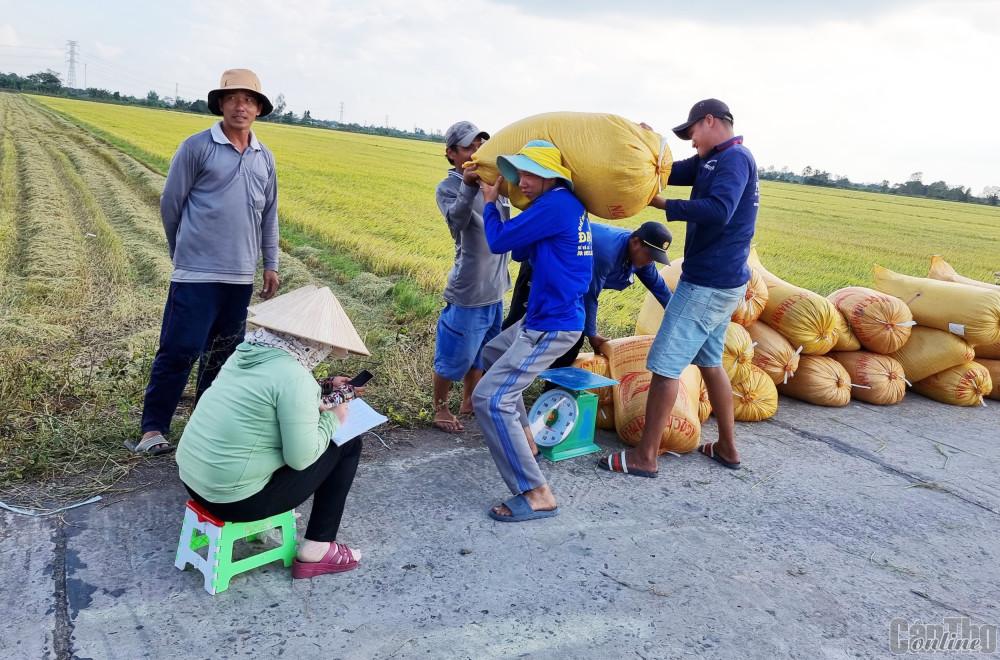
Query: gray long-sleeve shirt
(220, 209)
(478, 276)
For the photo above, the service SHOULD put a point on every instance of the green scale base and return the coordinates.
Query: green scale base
(580, 441)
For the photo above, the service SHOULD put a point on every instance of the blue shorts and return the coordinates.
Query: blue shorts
(461, 334)
(693, 330)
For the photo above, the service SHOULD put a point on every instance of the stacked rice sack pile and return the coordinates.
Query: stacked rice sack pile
(949, 357)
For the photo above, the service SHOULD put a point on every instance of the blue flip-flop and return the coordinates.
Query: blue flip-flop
(521, 510)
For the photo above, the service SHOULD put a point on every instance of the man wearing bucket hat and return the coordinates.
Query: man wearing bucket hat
(477, 281)
(721, 216)
(259, 443)
(553, 233)
(220, 214)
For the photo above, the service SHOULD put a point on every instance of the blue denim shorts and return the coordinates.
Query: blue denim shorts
(693, 330)
(461, 334)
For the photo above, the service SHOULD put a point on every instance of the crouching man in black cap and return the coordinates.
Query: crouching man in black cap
(721, 216)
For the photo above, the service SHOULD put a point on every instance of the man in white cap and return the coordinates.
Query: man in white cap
(220, 214)
(476, 284)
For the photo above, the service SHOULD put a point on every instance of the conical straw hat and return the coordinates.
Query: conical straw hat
(315, 315)
(285, 301)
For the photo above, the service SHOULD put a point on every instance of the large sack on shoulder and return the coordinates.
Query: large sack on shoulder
(970, 312)
(617, 165)
(598, 364)
(755, 398)
(737, 353)
(846, 340)
(695, 384)
(992, 366)
(754, 300)
(772, 353)
(964, 385)
(880, 322)
(820, 380)
(929, 351)
(803, 317)
(942, 270)
(651, 312)
(875, 378)
(627, 361)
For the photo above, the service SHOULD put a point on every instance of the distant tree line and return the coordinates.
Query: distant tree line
(914, 187)
(48, 82)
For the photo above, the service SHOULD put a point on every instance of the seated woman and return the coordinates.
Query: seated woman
(258, 443)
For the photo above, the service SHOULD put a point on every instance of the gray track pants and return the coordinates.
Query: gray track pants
(512, 360)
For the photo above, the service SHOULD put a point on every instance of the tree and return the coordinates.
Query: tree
(152, 98)
(917, 177)
(306, 117)
(807, 171)
(279, 106)
(47, 80)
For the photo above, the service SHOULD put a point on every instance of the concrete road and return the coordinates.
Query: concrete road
(841, 521)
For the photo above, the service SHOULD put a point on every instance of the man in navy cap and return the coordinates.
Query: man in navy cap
(721, 216)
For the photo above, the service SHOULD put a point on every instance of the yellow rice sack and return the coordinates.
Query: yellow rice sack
(617, 165)
(970, 312)
(875, 378)
(929, 351)
(754, 301)
(772, 353)
(880, 322)
(804, 318)
(755, 398)
(598, 364)
(992, 366)
(692, 380)
(820, 380)
(989, 351)
(737, 353)
(846, 341)
(627, 361)
(964, 385)
(942, 270)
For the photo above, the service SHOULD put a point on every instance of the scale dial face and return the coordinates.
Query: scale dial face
(553, 417)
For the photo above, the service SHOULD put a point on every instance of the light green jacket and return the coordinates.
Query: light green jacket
(260, 414)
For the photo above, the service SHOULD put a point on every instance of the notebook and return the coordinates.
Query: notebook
(361, 418)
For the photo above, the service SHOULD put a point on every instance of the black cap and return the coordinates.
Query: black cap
(713, 107)
(657, 238)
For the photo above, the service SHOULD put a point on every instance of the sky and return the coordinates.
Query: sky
(867, 89)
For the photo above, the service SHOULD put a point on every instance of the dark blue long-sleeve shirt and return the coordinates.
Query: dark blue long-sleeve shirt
(553, 234)
(721, 214)
(614, 270)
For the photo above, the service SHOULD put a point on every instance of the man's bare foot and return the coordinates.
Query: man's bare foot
(540, 499)
(465, 410)
(637, 462)
(726, 454)
(531, 440)
(447, 422)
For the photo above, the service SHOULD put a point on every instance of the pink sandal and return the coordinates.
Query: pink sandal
(337, 559)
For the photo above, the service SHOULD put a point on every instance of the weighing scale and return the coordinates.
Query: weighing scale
(563, 419)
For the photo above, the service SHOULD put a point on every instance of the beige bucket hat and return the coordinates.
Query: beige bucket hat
(238, 79)
(312, 313)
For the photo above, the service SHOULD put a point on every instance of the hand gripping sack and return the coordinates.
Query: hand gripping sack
(964, 385)
(598, 364)
(820, 380)
(617, 165)
(755, 398)
(737, 353)
(772, 353)
(992, 366)
(804, 318)
(880, 322)
(970, 312)
(942, 270)
(929, 351)
(627, 360)
(692, 380)
(875, 378)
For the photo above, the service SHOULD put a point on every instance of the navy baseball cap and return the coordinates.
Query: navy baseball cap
(657, 238)
(713, 107)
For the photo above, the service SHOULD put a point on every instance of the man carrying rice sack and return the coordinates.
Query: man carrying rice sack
(553, 234)
(721, 216)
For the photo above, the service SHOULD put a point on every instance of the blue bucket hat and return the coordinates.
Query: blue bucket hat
(539, 157)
